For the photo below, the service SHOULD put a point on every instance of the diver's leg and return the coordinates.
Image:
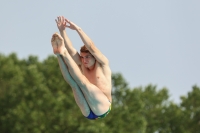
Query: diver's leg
(96, 99)
(78, 95)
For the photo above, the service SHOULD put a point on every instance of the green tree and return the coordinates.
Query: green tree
(173, 120)
(191, 107)
(154, 103)
(126, 115)
(29, 99)
(35, 98)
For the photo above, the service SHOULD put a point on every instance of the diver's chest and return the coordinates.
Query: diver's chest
(94, 76)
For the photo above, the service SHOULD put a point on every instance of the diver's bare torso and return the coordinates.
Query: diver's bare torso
(100, 76)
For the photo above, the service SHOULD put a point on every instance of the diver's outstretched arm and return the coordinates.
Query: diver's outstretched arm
(61, 24)
(88, 43)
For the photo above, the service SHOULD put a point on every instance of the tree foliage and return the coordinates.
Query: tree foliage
(34, 98)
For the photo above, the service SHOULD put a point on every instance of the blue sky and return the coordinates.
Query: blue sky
(148, 41)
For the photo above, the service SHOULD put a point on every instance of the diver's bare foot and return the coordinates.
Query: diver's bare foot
(57, 44)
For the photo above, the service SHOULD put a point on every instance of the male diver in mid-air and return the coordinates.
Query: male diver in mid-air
(88, 73)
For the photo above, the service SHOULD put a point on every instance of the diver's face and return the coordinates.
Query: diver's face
(87, 59)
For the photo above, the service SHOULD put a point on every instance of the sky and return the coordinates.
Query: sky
(148, 41)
